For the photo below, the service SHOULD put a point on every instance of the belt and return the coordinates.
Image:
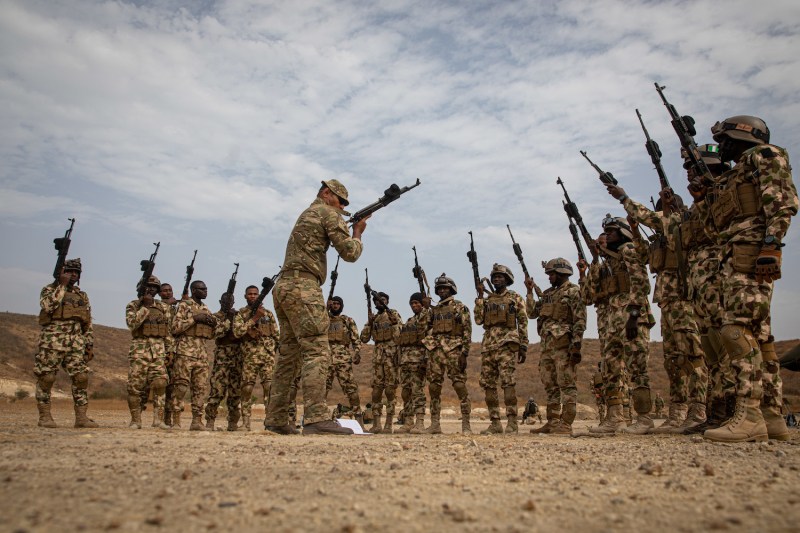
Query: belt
(299, 274)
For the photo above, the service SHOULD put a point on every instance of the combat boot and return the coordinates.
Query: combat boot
(233, 420)
(246, 423)
(359, 416)
(695, 417)
(747, 424)
(158, 418)
(45, 418)
(419, 427)
(674, 420)
(614, 421)
(376, 423)
(465, 427)
(408, 424)
(210, 423)
(176, 419)
(564, 426)
(716, 415)
(135, 407)
(435, 428)
(387, 425)
(197, 423)
(495, 428)
(553, 415)
(83, 421)
(511, 425)
(776, 424)
(626, 414)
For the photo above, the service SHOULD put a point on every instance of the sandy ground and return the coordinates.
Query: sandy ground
(116, 479)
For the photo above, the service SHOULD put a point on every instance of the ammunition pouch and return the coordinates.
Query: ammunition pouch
(661, 257)
(74, 307)
(155, 325)
(555, 310)
(743, 259)
(203, 331)
(616, 283)
(410, 335)
(499, 311)
(735, 201)
(382, 329)
(562, 342)
(737, 340)
(447, 322)
(337, 334)
(262, 328)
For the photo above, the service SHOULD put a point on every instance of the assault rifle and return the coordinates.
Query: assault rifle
(684, 128)
(655, 157)
(62, 247)
(480, 284)
(189, 274)
(419, 275)
(389, 195)
(334, 277)
(266, 286)
(147, 266)
(573, 229)
(518, 252)
(574, 215)
(606, 177)
(227, 306)
(369, 292)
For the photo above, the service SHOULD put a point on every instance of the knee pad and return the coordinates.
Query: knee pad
(737, 340)
(81, 381)
(247, 393)
(510, 395)
(46, 381)
(159, 386)
(642, 403)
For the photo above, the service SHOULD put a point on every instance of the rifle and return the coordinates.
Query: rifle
(227, 306)
(655, 156)
(62, 247)
(147, 265)
(572, 213)
(573, 229)
(266, 286)
(334, 277)
(518, 252)
(189, 274)
(369, 292)
(389, 195)
(419, 275)
(472, 255)
(684, 128)
(606, 177)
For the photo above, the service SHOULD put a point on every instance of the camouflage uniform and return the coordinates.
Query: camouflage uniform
(505, 327)
(384, 330)
(301, 312)
(259, 346)
(344, 342)
(226, 373)
(597, 389)
(413, 367)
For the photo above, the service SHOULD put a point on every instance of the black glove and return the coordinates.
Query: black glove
(631, 327)
(522, 354)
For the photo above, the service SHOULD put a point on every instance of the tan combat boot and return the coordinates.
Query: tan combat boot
(465, 427)
(387, 424)
(435, 428)
(564, 426)
(677, 413)
(45, 418)
(176, 419)
(553, 416)
(83, 421)
(747, 424)
(158, 418)
(246, 423)
(197, 423)
(135, 407)
(695, 417)
(408, 423)
(210, 423)
(776, 424)
(376, 423)
(233, 420)
(614, 421)
(495, 428)
(419, 426)
(511, 425)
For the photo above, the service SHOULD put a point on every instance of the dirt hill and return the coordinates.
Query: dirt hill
(19, 334)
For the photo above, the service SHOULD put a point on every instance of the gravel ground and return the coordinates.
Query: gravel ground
(117, 479)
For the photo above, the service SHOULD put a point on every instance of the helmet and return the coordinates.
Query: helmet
(497, 268)
(152, 280)
(742, 128)
(73, 264)
(559, 265)
(444, 281)
(709, 153)
(338, 189)
(618, 223)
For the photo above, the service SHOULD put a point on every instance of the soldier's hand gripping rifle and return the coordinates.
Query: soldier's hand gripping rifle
(147, 266)
(606, 177)
(266, 286)
(334, 277)
(62, 247)
(573, 229)
(389, 195)
(684, 128)
(574, 215)
(227, 297)
(655, 157)
(518, 252)
(189, 274)
(420, 276)
(480, 284)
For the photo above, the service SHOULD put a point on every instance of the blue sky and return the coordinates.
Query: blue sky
(209, 125)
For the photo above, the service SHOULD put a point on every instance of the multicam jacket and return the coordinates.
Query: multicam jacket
(65, 318)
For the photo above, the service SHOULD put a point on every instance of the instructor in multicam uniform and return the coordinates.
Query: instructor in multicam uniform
(300, 307)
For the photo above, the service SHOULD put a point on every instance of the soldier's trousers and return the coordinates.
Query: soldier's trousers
(304, 348)
(147, 367)
(556, 372)
(226, 380)
(623, 355)
(684, 359)
(258, 367)
(47, 363)
(191, 374)
(499, 364)
(412, 387)
(384, 377)
(446, 362)
(342, 369)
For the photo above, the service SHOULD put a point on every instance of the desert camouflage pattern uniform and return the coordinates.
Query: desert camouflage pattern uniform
(597, 388)
(385, 359)
(226, 372)
(765, 170)
(504, 331)
(259, 347)
(66, 321)
(169, 364)
(413, 363)
(191, 359)
(345, 342)
(300, 309)
(150, 331)
(560, 321)
(450, 333)
(683, 352)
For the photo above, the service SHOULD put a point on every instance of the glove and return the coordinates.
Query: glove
(522, 354)
(462, 362)
(631, 327)
(260, 313)
(357, 358)
(768, 265)
(575, 354)
(89, 353)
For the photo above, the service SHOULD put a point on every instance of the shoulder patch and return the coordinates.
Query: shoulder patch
(767, 152)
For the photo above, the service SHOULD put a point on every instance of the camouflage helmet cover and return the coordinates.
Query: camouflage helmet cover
(709, 153)
(618, 223)
(152, 280)
(73, 264)
(497, 268)
(743, 128)
(338, 189)
(444, 281)
(559, 265)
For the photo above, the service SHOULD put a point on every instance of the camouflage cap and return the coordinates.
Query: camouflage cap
(73, 264)
(338, 189)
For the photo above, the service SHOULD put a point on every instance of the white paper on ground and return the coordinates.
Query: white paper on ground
(352, 424)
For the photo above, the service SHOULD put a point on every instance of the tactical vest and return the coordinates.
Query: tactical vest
(661, 257)
(693, 234)
(228, 339)
(203, 331)
(446, 321)
(554, 309)
(263, 328)
(499, 310)
(734, 200)
(411, 334)
(155, 325)
(337, 331)
(74, 307)
(382, 328)
(613, 283)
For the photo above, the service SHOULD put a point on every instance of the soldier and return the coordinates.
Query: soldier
(413, 365)
(683, 352)
(226, 373)
(561, 321)
(531, 410)
(66, 341)
(345, 352)
(751, 209)
(623, 278)
(297, 296)
(148, 321)
(192, 326)
(659, 402)
(383, 328)
(505, 343)
(166, 296)
(260, 340)
(449, 343)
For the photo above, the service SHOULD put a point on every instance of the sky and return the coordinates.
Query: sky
(209, 125)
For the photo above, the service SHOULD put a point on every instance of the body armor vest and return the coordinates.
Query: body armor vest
(693, 234)
(228, 339)
(203, 331)
(499, 310)
(263, 328)
(382, 328)
(661, 257)
(446, 321)
(734, 200)
(553, 308)
(74, 306)
(155, 325)
(615, 282)
(411, 334)
(337, 331)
